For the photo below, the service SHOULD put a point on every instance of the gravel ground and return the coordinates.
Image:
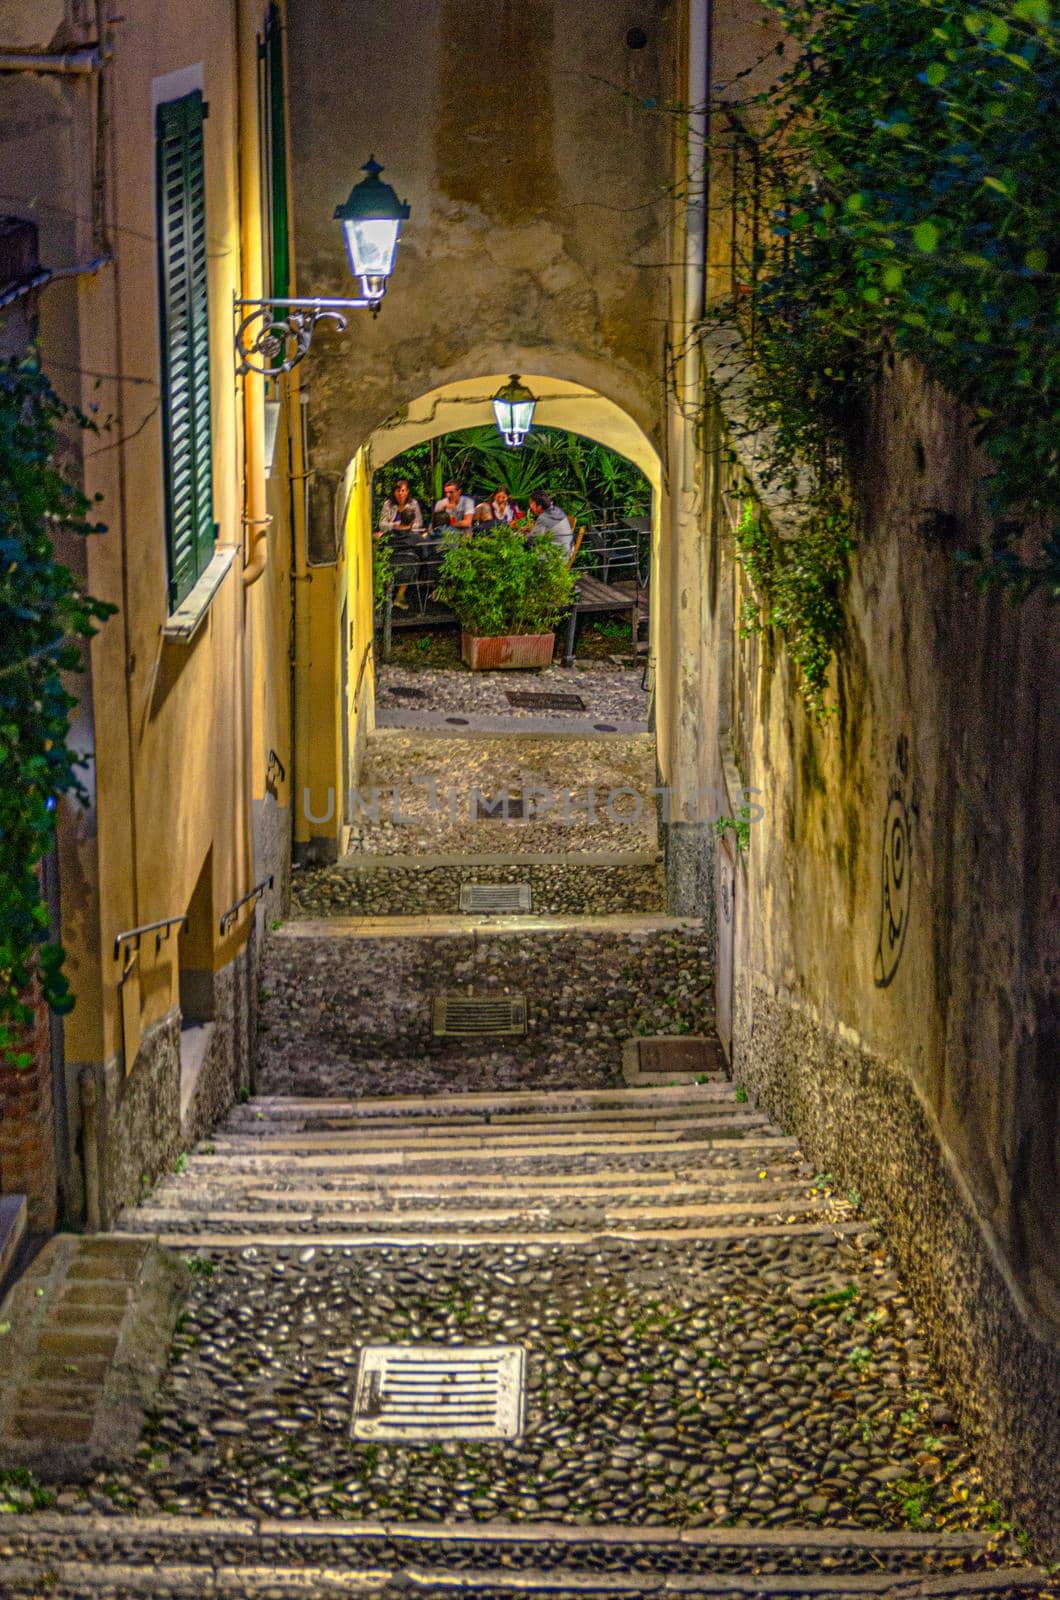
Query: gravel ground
(581, 777)
(610, 693)
(329, 1025)
(768, 1381)
(566, 889)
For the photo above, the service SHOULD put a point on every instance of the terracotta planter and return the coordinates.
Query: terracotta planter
(508, 650)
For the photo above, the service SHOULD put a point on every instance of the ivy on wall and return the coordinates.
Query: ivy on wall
(44, 614)
(903, 166)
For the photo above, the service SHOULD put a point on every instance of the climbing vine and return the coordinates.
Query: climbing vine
(44, 613)
(898, 180)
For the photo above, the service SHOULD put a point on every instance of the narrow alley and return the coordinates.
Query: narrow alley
(529, 799)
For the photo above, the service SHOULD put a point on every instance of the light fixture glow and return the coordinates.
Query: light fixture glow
(371, 221)
(513, 407)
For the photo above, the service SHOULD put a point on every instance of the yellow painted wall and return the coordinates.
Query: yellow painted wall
(179, 733)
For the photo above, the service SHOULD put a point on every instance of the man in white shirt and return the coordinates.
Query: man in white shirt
(457, 508)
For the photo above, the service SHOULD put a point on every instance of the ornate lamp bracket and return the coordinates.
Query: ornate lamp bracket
(273, 336)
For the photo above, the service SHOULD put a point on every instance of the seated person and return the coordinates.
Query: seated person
(483, 517)
(399, 499)
(550, 522)
(499, 508)
(457, 508)
(405, 554)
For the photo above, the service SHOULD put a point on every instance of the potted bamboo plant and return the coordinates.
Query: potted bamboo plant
(508, 597)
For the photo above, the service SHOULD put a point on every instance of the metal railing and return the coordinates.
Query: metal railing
(160, 929)
(230, 917)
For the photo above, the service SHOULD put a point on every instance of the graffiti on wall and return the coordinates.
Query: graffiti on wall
(895, 881)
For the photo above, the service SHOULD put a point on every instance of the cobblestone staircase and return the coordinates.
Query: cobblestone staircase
(726, 1393)
(725, 1388)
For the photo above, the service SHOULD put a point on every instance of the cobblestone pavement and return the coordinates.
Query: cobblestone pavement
(609, 693)
(595, 794)
(330, 1026)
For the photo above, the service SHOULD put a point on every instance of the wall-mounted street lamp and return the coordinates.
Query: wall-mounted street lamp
(513, 406)
(274, 335)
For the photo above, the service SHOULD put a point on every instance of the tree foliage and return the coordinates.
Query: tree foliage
(904, 165)
(44, 616)
(586, 478)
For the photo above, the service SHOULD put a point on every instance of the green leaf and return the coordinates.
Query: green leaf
(892, 277)
(990, 182)
(935, 74)
(926, 237)
(998, 32)
(1036, 260)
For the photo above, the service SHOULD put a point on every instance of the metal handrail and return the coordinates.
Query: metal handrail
(229, 917)
(161, 928)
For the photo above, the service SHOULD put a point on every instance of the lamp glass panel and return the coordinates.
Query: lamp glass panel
(371, 243)
(522, 416)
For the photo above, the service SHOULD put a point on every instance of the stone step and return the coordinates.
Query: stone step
(449, 1217)
(387, 886)
(441, 925)
(348, 1011)
(511, 1162)
(123, 1555)
(76, 1580)
(234, 1237)
(496, 1136)
(484, 1105)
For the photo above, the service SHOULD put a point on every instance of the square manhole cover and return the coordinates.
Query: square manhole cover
(678, 1055)
(495, 898)
(526, 701)
(418, 1393)
(463, 1016)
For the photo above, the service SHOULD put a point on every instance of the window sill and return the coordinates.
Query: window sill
(185, 621)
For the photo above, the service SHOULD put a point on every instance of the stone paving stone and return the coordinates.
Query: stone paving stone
(581, 777)
(329, 1026)
(609, 694)
(559, 888)
(666, 1383)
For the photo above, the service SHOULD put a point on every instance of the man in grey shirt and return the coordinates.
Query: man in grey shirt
(550, 522)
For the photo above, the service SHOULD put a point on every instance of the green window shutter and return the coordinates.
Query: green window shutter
(185, 341)
(272, 106)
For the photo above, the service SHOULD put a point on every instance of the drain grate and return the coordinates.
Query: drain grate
(402, 691)
(463, 1016)
(417, 1393)
(669, 1054)
(495, 898)
(526, 701)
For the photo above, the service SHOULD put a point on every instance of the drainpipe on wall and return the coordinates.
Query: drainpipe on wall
(46, 275)
(255, 519)
(699, 23)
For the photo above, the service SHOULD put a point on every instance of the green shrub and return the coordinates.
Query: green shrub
(498, 584)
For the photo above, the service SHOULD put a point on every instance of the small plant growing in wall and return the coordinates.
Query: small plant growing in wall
(739, 827)
(45, 616)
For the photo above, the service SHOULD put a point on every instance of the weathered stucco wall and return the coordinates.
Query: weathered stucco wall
(526, 136)
(896, 941)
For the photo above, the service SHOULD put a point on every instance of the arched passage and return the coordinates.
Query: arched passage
(335, 669)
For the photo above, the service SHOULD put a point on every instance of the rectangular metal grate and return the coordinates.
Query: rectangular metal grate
(418, 1393)
(402, 691)
(668, 1054)
(462, 1016)
(496, 899)
(524, 700)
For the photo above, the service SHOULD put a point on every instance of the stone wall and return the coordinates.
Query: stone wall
(27, 1125)
(897, 944)
(140, 1127)
(534, 241)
